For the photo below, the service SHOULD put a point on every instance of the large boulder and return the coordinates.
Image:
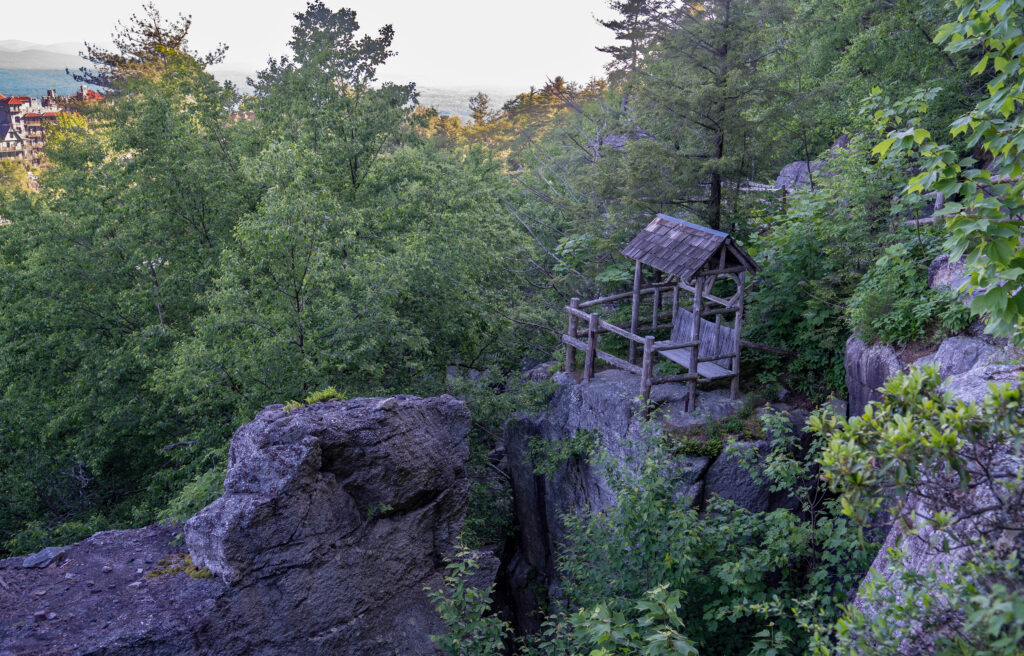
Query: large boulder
(950, 275)
(959, 354)
(868, 366)
(797, 175)
(968, 366)
(729, 479)
(334, 519)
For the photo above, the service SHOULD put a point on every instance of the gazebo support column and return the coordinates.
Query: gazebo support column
(570, 350)
(588, 362)
(734, 389)
(698, 307)
(647, 371)
(634, 322)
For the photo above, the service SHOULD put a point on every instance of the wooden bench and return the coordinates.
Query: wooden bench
(717, 346)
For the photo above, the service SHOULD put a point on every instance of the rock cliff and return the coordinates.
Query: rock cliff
(968, 364)
(334, 518)
(607, 407)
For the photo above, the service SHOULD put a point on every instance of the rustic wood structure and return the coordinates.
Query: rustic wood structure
(705, 335)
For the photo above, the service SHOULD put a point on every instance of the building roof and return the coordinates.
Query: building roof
(15, 100)
(89, 95)
(680, 248)
(8, 133)
(43, 115)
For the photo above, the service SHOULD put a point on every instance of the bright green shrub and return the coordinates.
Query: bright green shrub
(742, 578)
(893, 303)
(472, 630)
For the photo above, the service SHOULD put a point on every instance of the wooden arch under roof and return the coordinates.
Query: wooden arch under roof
(705, 336)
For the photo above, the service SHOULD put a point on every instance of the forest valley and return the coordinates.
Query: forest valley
(182, 265)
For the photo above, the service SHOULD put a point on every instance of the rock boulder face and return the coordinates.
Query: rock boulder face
(797, 175)
(334, 518)
(967, 365)
(867, 369)
(607, 407)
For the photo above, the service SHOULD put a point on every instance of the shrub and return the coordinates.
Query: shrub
(472, 631)
(742, 578)
(893, 303)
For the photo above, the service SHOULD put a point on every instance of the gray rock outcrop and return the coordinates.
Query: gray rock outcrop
(967, 365)
(868, 366)
(959, 354)
(334, 518)
(608, 408)
(797, 175)
(943, 273)
(728, 479)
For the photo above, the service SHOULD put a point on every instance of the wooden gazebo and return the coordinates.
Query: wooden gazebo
(705, 335)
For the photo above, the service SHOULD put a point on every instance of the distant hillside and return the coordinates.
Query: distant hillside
(36, 59)
(35, 82)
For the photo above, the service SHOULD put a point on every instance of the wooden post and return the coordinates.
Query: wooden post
(647, 372)
(635, 317)
(675, 303)
(657, 303)
(698, 308)
(588, 364)
(570, 350)
(734, 389)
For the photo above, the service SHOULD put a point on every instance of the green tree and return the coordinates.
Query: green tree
(700, 105)
(634, 27)
(104, 275)
(146, 40)
(322, 97)
(480, 108)
(13, 177)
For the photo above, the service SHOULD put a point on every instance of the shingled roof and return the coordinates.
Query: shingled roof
(680, 248)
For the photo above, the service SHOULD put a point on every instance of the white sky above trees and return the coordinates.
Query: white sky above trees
(497, 44)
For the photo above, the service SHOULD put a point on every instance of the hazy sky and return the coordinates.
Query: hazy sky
(492, 43)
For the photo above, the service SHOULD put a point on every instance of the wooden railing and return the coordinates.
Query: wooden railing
(596, 326)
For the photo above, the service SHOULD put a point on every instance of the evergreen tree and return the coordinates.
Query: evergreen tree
(704, 98)
(634, 27)
(480, 107)
(145, 40)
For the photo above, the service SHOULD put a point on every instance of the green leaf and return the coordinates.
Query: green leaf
(882, 148)
(980, 66)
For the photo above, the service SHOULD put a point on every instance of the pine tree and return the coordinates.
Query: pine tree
(634, 28)
(145, 40)
(705, 90)
(480, 107)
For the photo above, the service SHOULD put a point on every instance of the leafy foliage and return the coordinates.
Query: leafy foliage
(893, 303)
(549, 457)
(813, 257)
(951, 474)
(728, 575)
(987, 197)
(472, 631)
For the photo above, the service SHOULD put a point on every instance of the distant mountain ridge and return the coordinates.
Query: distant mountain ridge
(29, 69)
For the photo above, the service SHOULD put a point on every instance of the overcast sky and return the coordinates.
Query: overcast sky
(477, 43)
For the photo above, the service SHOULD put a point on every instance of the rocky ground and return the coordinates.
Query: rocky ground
(104, 592)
